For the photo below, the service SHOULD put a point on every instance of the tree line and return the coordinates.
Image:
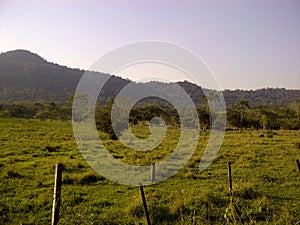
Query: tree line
(239, 116)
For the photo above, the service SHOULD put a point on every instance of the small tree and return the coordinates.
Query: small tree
(204, 118)
(104, 122)
(264, 122)
(240, 107)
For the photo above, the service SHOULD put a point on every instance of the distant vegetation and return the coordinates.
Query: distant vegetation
(25, 76)
(240, 115)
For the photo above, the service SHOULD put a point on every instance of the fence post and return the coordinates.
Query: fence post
(298, 163)
(153, 173)
(145, 204)
(229, 179)
(56, 195)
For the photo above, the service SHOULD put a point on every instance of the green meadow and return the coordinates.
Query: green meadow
(265, 176)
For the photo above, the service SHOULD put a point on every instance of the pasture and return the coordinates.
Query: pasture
(266, 180)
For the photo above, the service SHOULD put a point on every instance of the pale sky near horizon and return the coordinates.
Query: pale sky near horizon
(247, 44)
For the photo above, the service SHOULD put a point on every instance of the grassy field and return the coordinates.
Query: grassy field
(266, 180)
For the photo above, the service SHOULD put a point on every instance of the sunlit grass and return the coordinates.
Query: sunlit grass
(264, 171)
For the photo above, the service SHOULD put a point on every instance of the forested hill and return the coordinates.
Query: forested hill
(265, 96)
(25, 76)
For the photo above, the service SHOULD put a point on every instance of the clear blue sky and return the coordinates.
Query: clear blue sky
(247, 44)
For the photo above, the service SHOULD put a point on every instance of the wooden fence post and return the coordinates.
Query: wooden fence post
(153, 173)
(298, 163)
(56, 195)
(145, 204)
(229, 179)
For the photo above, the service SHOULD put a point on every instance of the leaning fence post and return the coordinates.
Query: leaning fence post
(229, 179)
(153, 173)
(56, 195)
(145, 204)
(298, 163)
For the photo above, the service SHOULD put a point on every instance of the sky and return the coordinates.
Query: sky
(247, 44)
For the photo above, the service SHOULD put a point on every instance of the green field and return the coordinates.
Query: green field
(266, 180)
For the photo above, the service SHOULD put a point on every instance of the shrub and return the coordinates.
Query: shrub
(13, 174)
(247, 192)
(90, 178)
(51, 148)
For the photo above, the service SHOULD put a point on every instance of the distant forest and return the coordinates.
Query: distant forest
(25, 76)
(31, 87)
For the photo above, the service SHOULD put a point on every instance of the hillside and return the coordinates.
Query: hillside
(25, 76)
(265, 96)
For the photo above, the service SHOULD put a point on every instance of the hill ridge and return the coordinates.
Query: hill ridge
(26, 76)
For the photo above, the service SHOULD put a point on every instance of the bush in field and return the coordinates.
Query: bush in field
(104, 123)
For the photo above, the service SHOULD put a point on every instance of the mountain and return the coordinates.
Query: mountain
(25, 76)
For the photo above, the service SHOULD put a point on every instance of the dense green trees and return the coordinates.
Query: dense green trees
(29, 110)
(239, 116)
(266, 118)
